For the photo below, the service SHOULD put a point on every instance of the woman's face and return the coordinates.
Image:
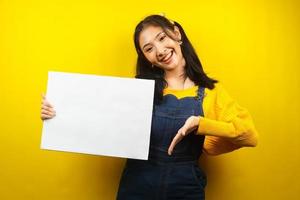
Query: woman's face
(161, 50)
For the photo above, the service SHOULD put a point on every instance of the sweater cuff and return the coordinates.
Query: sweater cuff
(215, 128)
(203, 126)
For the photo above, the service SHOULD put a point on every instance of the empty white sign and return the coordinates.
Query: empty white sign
(99, 115)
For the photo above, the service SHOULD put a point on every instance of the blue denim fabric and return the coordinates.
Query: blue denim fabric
(164, 177)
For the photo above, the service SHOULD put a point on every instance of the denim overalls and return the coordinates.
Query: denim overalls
(162, 176)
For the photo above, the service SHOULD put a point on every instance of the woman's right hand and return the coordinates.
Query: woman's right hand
(47, 111)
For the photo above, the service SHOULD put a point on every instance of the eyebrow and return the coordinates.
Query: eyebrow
(154, 38)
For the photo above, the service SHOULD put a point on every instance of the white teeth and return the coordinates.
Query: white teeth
(167, 57)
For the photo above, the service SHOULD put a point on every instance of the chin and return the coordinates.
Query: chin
(169, 68)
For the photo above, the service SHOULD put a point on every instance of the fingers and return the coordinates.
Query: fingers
(178, 137)
(183, 131)
(47, 111)
(50, 113)
(45, 116)
(47, 108)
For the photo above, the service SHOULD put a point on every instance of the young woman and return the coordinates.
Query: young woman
(192, 114)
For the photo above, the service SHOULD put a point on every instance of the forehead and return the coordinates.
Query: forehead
(148, 34)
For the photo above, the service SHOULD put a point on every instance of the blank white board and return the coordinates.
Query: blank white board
(99, 115)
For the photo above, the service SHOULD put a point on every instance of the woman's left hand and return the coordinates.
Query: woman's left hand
(190, 125)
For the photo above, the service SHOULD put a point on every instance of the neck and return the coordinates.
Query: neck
(176, 77)
(176, 73)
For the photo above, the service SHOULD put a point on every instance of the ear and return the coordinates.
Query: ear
(177, 33)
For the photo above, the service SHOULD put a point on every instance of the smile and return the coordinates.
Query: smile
(167, 58)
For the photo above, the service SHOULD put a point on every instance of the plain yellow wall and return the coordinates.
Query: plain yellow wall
(251, 46)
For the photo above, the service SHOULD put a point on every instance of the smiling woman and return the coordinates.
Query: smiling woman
(192, 114)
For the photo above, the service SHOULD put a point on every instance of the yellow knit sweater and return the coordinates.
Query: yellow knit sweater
(226, 124)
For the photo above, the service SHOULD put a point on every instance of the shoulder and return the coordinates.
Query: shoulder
(218, 95)
(219, 88)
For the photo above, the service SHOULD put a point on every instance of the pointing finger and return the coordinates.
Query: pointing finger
(178, 137)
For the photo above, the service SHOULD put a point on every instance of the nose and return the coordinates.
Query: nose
(161, 51)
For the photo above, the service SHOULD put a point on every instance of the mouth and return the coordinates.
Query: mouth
(167, 59)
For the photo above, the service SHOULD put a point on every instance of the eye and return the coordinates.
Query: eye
(148, 49)
(162, 38)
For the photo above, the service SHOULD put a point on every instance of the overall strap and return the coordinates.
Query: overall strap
(200, 93)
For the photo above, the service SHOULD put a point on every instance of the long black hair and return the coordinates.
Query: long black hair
(193, 67)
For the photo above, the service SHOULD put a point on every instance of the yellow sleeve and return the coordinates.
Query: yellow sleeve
(218, 145)
(231, 128)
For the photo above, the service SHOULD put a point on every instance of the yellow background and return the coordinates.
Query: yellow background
(251, 46)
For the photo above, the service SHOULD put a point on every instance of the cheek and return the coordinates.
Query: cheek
(178, 50)
(150, 57)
